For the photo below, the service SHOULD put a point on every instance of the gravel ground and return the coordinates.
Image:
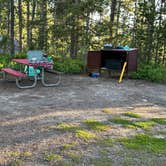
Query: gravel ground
(25, 113)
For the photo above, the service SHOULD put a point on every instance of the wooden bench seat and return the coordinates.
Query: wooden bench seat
(13, 72)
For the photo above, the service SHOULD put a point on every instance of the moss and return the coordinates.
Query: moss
(132, 115)
(145, 142)
(96, 125)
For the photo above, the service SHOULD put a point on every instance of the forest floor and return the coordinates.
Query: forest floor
(84, 122)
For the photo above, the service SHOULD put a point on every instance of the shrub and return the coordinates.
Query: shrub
(68, 65)
(152, 72)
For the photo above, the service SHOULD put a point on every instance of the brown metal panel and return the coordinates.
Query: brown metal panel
(94, 59)
(132, 60)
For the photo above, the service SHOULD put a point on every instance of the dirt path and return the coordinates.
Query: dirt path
(24, 113)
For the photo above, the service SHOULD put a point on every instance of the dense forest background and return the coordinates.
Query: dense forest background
(69, 28)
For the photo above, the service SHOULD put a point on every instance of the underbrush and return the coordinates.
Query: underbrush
(152, 72)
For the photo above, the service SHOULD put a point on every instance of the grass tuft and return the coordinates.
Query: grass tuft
(131, 114)
(145, 124)
(52, 157)
(96, 125)
(67, 127)
(85, 134)
(145, 142)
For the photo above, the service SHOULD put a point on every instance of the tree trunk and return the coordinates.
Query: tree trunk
(112, 17)
(28, 25)
(43, 25)
(20, 23)
(12, 49)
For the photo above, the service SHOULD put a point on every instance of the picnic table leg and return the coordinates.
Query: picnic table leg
(47, 84)
(26, 86)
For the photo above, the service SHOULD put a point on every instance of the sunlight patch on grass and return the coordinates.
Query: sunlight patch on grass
(145, 142)
(87, 135)
(161, 121)
(96, 125)
(132, 115)
(52, 157)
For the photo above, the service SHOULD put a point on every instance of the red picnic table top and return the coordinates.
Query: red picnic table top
(34, 64)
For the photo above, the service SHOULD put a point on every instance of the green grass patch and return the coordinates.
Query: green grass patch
(132, 115)
(96, 125)
(144, 124)
(52, 157)
(131, 124)
(145, 142)
(122, 121)
(67, 127)
(86, 135)
(161, 121)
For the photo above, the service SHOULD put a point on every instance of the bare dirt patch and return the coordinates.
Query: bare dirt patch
(27, 116)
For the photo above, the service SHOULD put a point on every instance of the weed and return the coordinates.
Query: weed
(67, 127)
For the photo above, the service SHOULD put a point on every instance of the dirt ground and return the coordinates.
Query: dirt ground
(24, 114)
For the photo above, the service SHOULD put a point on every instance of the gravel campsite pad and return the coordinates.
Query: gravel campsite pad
(84, 121)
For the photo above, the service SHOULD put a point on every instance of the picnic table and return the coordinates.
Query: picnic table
(44, 66)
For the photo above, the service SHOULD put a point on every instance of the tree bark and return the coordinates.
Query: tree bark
(112, 17)
(12, 48)
(20, 23)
